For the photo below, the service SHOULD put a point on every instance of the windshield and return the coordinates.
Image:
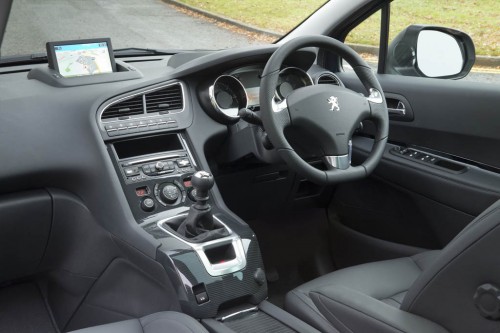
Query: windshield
(152, 24)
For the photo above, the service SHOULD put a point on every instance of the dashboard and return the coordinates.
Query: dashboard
(84, 130)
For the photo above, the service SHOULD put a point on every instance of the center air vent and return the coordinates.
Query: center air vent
(128, 107)
(165, 99)
(329, 78)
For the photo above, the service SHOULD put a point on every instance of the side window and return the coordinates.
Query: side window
(414, 50)
(365, 39)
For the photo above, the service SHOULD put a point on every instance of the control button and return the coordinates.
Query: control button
(162, 123)
(142, 191)
(132, 127)
(152, 124)
(170, 193)
(159, 165)
(122, 127)
(183, 163)
(142, 126)
(432, 159)
(403, 151)
(147, 204)
(259, 276)
(171, 123)
(113, 132)
(146, 168)
(171, 165)
(202, 297)
(129, 172)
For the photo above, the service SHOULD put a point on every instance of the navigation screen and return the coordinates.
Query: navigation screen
(83, 59)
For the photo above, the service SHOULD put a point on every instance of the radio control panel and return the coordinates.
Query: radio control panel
(155, 172)
(139, 170)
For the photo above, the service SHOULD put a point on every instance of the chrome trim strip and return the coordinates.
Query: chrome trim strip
(231, 266)
(211, 94)
(279, 106)
(340, 162)
(284, 70)
(331, 75)
(400, 110)
(252, 309)
(188, 151)
(151, 159)
(375, 96)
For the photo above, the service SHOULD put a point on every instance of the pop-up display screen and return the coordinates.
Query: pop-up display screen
(81, 58)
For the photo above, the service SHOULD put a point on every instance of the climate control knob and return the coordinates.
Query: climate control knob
(147, 204)
(169, 193)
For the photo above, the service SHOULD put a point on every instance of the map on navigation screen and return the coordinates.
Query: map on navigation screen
(83, 59)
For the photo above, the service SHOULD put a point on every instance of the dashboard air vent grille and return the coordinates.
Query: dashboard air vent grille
(166, 99)
(328, 79)
(128, 107)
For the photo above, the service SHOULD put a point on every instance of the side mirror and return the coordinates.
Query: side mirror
(429, 51)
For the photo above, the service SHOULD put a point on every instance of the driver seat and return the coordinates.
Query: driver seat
(456, 289)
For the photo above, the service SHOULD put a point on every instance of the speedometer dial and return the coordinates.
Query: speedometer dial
(228, 96)
(290, 79)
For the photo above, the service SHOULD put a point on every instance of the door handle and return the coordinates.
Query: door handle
(399, 110)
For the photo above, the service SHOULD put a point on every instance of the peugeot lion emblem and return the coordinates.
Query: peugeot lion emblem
(334, 102)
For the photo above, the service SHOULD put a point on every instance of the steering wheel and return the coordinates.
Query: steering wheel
(328, 114)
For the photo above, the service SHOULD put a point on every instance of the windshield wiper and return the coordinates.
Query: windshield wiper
(35, 58)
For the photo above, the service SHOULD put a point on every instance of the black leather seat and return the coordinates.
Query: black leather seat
(161, 322)
(452, 290)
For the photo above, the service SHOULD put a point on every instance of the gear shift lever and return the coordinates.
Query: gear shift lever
(202, 182)
(199, 224)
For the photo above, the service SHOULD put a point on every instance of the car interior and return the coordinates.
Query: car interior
(257, 189)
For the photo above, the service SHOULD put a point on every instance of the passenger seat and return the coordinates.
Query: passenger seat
(161, 322)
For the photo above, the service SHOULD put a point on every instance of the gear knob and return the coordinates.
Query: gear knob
(202, 182)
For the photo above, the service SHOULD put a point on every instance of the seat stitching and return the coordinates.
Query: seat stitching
(350, 307)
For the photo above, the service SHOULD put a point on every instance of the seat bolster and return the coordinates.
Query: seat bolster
(126, 326)
(352, 311)
(300, 305)
(169, 321)
(161, 322)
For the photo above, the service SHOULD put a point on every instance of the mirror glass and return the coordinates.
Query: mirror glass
(438, 54)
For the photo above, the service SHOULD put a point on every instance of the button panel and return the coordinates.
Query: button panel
(140, 126)
(429, 159)
(416, 155)
(139, 171)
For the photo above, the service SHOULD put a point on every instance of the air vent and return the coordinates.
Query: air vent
(128, 107)
(328, 78)
(165, 99)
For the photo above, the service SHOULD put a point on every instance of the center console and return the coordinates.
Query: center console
(211, 256)
(156, 173)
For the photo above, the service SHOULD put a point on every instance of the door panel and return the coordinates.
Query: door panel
(409, 202)
(457, 117)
